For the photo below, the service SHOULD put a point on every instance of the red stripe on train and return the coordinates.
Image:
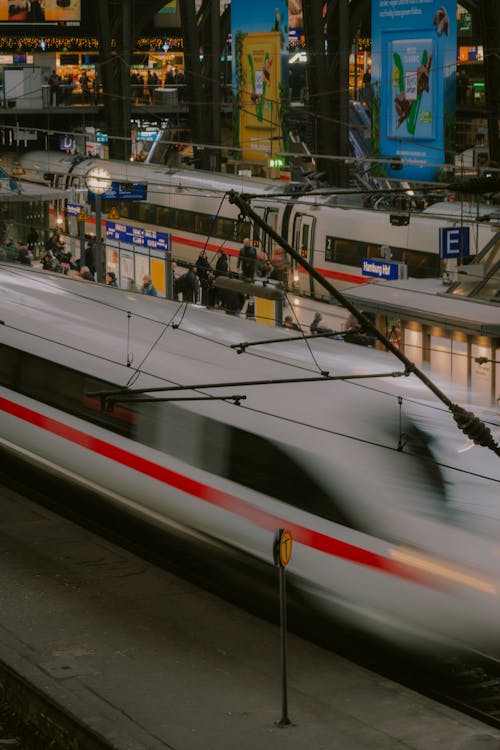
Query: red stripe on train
(308, 537)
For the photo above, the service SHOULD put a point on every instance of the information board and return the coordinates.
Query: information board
(138, 236)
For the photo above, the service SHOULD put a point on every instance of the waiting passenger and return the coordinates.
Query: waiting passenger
(49, 261)
(187, 285)
(233, 301)
(84, 274)
(148, 287)
(290, 323)
(316, 328)
(204, 273)
(24, 255)
(132, 286)
(216, 296)
(111, 279)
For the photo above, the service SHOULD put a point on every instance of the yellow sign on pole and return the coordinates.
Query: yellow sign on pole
(282, 548)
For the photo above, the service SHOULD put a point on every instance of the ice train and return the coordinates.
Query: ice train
(194, 207)
(371, 477)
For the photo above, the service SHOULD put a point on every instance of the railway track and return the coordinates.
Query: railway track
(468, 682)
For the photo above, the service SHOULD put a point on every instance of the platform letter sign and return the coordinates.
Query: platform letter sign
(454, 242)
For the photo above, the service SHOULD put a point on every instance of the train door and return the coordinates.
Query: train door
(261, 239)
(303, 243)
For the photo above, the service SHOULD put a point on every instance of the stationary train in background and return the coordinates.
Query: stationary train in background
(393, 512)
(194, 207)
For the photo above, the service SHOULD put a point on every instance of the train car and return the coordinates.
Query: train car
(332, 234)
(371, 477)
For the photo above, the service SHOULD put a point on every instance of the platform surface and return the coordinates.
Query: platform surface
(150, 661)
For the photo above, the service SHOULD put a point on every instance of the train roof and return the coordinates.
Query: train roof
(467, 210)
(97, 330)
(46, 162)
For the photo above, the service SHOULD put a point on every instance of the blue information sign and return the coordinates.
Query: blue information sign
(454, 242)
(124, 191)
(73, 209)
(137, 236)
(382, 269)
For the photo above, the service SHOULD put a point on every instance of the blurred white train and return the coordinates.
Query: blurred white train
(371, 477)
(193, 206)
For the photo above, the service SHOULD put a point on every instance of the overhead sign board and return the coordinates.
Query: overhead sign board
(454, 242)
(126, 191)
(137, 236)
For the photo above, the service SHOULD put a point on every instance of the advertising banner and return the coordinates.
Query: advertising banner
(40, 11)
(260, 77)
(413, 86)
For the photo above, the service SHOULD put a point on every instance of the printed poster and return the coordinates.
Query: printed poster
(413, 80)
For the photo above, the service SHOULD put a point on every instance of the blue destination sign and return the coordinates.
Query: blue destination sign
(73, 209)
(454, 242)
(125, 191)
(137, 236)
(382, 269)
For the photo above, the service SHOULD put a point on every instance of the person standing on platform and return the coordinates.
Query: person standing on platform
(247, 260)
(187, 285)
(279, 262)
(111, 279)
(54, 88)
(204, 273)
(85, 87)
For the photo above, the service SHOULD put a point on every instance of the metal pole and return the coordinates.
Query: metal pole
(100, 255)
(470, 425)
(284, 721)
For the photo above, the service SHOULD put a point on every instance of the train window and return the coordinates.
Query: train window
(203, 224)
(350, 253)
(163, 216)
(185, 220)
(241, 229)
(421, 265)
(146, 212)
(60, 387)
(304, 244)
(264, 466)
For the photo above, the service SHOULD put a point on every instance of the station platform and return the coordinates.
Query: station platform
(147, 661)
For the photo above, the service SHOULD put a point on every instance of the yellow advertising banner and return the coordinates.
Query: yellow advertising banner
(260, 127)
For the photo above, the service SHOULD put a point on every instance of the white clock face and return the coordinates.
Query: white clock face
(98, 180)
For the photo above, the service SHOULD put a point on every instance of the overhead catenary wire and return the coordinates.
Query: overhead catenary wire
(467, 421)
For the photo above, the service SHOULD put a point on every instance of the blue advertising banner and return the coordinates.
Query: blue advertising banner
(137, 236)
(413, 86)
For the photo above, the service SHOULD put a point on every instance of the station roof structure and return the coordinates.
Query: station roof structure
(425, 301)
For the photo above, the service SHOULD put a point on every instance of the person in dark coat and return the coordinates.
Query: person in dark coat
(247, 260)
(89, 256)
(233, 301)
(187, 285)
(24, 255)
(111, 279)
(204, 273)
(221, 269)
